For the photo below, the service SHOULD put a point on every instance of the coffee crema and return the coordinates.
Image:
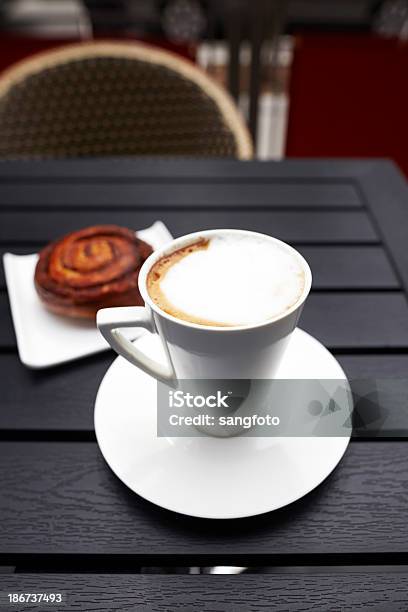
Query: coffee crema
(227, 280)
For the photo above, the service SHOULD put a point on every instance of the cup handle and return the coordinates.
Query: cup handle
(111, 320)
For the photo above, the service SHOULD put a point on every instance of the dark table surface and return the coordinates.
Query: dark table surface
(62, 511)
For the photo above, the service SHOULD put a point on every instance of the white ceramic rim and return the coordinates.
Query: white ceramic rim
(178, 243)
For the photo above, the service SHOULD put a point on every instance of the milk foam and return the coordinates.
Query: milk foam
(236, 280)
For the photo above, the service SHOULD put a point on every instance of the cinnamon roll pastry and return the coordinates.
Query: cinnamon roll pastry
(92, 268)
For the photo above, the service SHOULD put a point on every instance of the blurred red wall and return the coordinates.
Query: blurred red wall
(349, 97)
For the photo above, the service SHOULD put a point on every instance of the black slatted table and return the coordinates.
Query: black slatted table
(63, 513)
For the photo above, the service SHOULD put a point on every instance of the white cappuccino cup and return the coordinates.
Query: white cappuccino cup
(197, 351)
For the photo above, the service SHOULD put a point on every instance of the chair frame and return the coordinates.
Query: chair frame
(144, 53)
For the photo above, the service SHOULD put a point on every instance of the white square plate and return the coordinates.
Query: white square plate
(45, 339)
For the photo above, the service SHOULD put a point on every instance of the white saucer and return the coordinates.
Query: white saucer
(212, 477)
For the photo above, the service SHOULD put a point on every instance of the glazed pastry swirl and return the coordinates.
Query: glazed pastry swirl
(91, 269)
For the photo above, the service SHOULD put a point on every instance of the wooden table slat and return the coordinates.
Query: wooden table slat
(308, 227)
(62, 398)
(207, 194)
(69, 503)
(164, 169)
(350, 267)
(309, 589)
(357, 320)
